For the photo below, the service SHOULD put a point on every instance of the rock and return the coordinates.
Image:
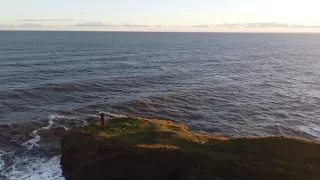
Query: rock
(144, 149)
(53, 133)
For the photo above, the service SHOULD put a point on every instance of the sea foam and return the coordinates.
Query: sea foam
(35, 169)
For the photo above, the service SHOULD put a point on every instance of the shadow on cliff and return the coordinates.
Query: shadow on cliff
(142, 149)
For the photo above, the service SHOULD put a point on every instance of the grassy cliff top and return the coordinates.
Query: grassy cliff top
(152, 132)
(142, 148)
(143, 131)
(147, 132)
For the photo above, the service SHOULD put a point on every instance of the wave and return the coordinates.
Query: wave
(1, 161)
(39, 156)
(30, 160)
(34, 169)
(32, 142)
(312, 130)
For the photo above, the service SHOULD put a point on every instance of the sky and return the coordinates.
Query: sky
(162, 15)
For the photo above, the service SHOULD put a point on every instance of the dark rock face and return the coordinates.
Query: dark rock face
(109, 162)
(97, 154)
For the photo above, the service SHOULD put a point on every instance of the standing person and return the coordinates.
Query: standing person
(102, 118)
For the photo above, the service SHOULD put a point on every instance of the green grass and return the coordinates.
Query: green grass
(140, 131)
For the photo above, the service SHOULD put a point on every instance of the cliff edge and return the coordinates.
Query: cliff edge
(145, 149)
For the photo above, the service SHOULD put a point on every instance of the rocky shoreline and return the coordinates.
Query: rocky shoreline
(144, 149)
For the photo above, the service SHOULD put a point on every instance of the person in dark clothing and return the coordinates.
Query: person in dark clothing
(102, 118)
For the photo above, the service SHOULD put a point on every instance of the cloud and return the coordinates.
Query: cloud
(45, 20)
(103, 24)
(263, 25)
(254, 25)
(201, 26)
(133, 26)
(5, 26)
(179, 26)
(33, 25)
(93, 24)
(266, 25)
(26, 26)
(47, 24)
(302, 26)
(159, 26)
(229, 25)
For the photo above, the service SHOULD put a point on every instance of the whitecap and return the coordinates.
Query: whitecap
(65, 128)
(116, 115)
(61, 120)
(32, 142)
(35, 169)
(1, 160)
(310, 129)
(54, 116)
(34, 133)
(50, 124)
(54, 121)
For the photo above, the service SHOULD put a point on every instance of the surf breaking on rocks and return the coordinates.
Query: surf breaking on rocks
(32, 150)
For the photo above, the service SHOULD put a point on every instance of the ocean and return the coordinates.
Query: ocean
(227, 84)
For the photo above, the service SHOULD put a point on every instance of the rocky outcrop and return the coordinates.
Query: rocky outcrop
(144, 149)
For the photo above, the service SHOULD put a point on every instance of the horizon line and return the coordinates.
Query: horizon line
(137, 31)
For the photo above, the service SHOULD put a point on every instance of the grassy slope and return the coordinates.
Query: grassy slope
(215, 157)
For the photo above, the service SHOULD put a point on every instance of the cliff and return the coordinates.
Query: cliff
(144, 149)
